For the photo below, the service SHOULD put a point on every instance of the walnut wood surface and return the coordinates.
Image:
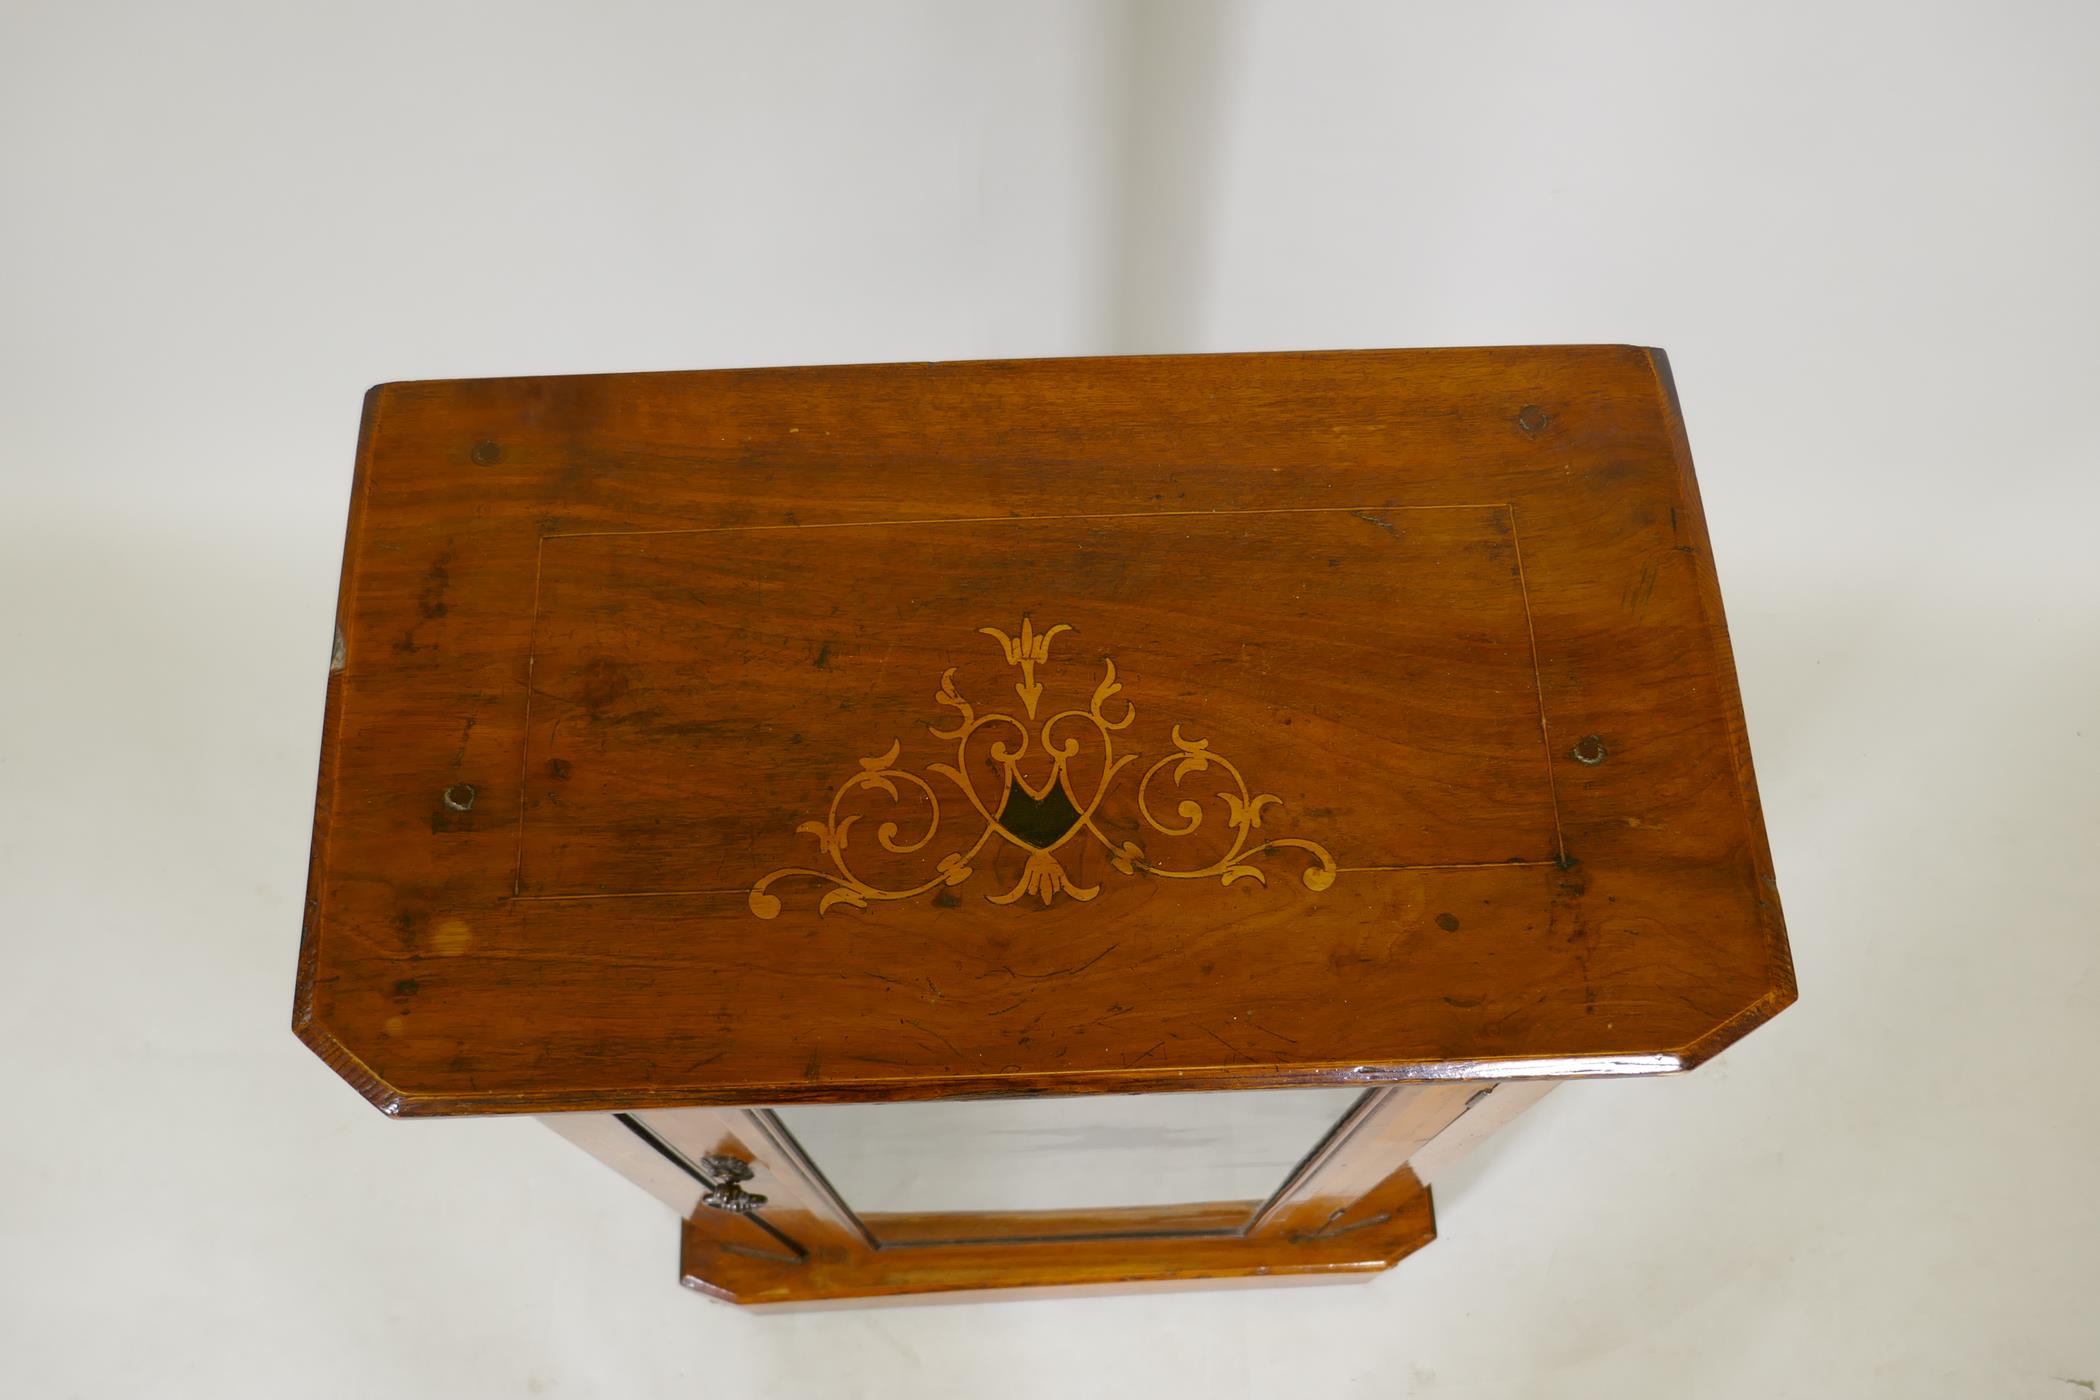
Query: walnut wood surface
(729, 1257)
(609, 644)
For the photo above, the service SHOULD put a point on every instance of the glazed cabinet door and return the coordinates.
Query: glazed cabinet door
(813, 1202)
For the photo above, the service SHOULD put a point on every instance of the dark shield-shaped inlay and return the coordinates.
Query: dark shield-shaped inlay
(1039, 821)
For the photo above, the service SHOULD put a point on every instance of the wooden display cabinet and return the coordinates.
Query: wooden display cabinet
(1039, 823)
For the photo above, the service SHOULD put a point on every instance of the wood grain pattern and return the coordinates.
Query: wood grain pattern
(608, 641)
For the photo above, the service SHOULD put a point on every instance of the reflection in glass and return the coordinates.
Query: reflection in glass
(1078, 1153)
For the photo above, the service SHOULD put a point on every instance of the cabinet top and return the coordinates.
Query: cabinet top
(1110, 725)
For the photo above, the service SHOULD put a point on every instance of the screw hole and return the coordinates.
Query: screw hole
(459, 797)
(487, 454)
(1531, 418)
(1589, 749)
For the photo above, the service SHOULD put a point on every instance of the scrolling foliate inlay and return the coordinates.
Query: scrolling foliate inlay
(1043, 819)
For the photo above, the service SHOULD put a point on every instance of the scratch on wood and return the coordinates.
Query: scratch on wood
(1636, 595)
(936, 1035)
(1007, 968)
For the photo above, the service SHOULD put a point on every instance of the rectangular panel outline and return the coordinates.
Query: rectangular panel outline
(1560, 859)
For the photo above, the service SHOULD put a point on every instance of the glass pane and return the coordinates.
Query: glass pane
(1082, 1153)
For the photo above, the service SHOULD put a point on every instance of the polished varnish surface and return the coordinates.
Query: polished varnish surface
(1050, 726)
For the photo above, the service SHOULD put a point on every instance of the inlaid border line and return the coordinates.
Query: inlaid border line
(741, 890)
(518, 895)
(1029, 519)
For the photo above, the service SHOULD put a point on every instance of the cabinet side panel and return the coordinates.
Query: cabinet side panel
(609, 1140)
(1486, 1117)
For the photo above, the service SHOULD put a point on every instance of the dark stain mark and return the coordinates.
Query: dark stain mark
(1531, 419)
(1380, 521)
(604, 682)
(406, 987)
(653, 722)
(1448, 922)
(946, 899)
(1565, 861)
(558, 768)
(823, 661)
(1465, 1003)
(436, 580)
(1565, 918)
(406, 646)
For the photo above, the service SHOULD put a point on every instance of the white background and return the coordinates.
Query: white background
(1869, 235)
